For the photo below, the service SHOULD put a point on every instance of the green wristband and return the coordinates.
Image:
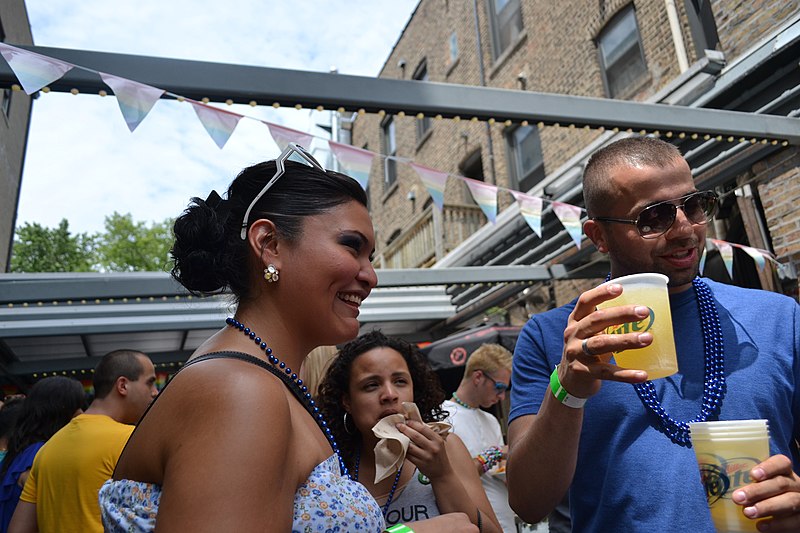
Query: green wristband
(561, 393)
(399, 528)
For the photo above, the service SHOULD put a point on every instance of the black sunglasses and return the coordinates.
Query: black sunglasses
(656, 219)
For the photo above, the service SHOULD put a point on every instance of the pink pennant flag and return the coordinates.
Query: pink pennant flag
(217, 122)
(356, 162)
(283, 136)
(485, 196)
(530, 207)
(757, 255)
(135, 99)
(570, 218)
(726, 252)
(434, 180)
(33, 70)
(703, 259)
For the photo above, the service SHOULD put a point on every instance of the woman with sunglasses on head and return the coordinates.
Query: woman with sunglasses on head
(234, 442)
(371, 378)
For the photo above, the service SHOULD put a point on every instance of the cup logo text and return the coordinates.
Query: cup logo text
(721, 478)
(633, 327)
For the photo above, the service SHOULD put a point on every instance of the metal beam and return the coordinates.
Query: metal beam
(243, 84)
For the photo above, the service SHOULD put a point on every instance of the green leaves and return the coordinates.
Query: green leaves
(124, 246)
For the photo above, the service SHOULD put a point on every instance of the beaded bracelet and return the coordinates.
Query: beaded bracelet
(399, 528)
(489, 457)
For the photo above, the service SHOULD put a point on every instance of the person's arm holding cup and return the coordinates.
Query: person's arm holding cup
(547, 442)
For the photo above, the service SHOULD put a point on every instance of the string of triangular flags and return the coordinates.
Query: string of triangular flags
(35, 71)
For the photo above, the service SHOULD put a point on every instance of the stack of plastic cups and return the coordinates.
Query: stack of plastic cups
(726, 451)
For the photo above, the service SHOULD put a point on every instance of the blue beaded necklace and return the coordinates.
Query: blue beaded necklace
(354, 477)
(461, 402)
(714, 386)
(296, 385)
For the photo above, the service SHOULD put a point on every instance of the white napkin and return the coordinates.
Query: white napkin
(390, 452)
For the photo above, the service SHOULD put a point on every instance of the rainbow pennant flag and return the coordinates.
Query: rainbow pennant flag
(135, 99)
(283, 136)
(434, 180)
(570, 218)
(726, 252)
(530, 207)
(485, 196)
(218, 123)
(33, 70)
(355, 161)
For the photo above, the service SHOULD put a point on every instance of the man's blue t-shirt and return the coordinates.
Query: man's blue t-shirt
(630, 476)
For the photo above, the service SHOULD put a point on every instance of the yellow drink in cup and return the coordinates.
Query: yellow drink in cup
(725, 460)
(659, 358)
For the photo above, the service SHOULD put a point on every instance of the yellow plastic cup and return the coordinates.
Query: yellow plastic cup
(725, 459)
(659, 358)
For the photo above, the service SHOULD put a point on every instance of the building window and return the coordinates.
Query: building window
(526, 161)
(389, 146)
(424, 123)
(505, 17)
(621, 55)
(453, 44)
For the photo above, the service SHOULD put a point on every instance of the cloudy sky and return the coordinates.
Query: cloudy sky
(83, 163)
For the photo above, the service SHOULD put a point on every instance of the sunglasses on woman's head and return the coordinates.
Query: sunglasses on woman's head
(655, 220)
(296, 153)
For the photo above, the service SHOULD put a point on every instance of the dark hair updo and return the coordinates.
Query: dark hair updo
(210, 256)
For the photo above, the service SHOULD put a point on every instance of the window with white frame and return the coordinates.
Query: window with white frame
(621, 55)
(424, 123)
(505, 17)
(389, 147)
(526, 161)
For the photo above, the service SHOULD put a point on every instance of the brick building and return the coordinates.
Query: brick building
(641, 50)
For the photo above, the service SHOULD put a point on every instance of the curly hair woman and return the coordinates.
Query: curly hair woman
(370, 379)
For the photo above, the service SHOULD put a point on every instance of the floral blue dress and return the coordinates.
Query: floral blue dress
(327, 501)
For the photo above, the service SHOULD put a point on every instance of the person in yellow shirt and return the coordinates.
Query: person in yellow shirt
(61, 491)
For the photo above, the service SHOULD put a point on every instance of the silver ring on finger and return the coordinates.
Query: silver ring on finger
(585, 348)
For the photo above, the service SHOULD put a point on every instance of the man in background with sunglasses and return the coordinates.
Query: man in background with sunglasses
(618, 442)
(486, 379)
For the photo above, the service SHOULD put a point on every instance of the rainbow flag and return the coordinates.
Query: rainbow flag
(33, 70)
(355, 161)
(218, 123)
(434, 180)
(726, 252)
(530, 207)
(283, 136)
(570, 218)
(757, 255)
(485, 196)
(135, 99)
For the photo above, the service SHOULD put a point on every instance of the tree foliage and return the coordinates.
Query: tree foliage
(123, 246)
(41, 249)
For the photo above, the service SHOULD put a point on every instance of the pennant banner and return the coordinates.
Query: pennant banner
(283, 136)
(485, 196)
(757, 256)
(135, 99)
(434, 180)
(726, 252)
(217, 122)
(355, 161)
(703, 260)
(570, 218)
(530, 207)
(33, 70)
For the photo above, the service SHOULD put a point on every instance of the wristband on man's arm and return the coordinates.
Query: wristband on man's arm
(561, 393)
(399, 528)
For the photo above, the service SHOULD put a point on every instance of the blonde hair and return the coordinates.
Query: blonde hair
(488, 357)
(315, 365)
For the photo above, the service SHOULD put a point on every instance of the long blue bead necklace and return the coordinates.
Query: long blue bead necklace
(714, 386)
(386, 505)
(291, 380)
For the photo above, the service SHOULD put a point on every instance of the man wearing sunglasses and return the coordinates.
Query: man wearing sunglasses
(486, 379)
(618, 442)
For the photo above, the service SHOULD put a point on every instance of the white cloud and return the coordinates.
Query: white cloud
(83, 164)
